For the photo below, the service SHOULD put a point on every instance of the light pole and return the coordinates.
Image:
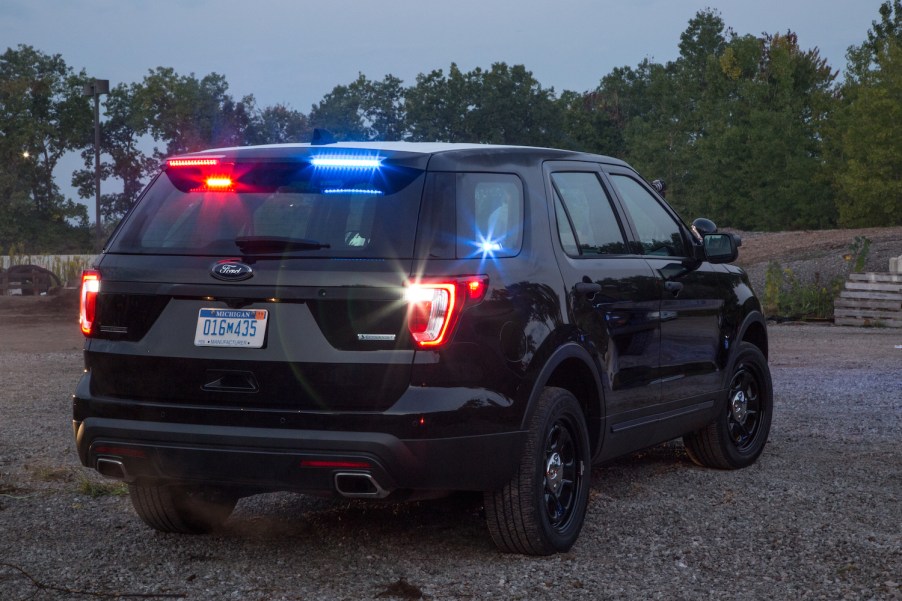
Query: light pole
(95, 89)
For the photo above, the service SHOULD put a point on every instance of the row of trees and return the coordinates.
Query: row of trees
(753, 132)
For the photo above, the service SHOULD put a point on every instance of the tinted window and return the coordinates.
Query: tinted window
(587, 224)
(305, 210)
(659, 233)
(489, 214)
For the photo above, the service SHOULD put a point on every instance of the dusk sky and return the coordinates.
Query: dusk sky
(293, 52)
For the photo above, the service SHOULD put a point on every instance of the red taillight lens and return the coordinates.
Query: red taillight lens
(210, 162)
(90, 288)
(433, 307)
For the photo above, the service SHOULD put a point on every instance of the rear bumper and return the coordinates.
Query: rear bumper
(269, 459)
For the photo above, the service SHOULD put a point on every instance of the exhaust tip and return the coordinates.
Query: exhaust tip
(359, 485)
(112, 468)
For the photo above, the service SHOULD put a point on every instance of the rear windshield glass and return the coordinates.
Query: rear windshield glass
(276, 208)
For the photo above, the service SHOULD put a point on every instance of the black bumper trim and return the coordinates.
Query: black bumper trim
(270, 459)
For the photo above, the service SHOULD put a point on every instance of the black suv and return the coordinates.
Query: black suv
(400, 320)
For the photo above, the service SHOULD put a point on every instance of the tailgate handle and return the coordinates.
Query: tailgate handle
(220, 380)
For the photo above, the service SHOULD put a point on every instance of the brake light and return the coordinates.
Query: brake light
(204, 174)
(434, 306)
(90, 288)
(219, 183)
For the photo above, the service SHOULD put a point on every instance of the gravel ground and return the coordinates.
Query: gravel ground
(818, 517)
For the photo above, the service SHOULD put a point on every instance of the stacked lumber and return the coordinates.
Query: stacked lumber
(870, 299)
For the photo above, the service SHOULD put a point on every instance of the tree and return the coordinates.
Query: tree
(870, 178)
(438, 106)
(509, 106)
(864, 58)
(363, 110)
(277, 124)
(120, 141)
(42, 116)
(867, 146)
(736, 126)
(503, 105)
(182, 112)
(191, 114)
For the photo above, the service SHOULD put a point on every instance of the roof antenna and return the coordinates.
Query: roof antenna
(322, 136)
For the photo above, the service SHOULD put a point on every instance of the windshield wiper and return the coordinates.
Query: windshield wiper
(275, 244)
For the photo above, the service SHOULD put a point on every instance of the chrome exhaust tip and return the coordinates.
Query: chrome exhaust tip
(359, 485)
(112, 468)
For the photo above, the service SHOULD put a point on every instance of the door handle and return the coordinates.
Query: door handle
(673, 287)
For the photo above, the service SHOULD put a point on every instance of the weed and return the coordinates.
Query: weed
(785, 295)
(95, 488)
(47, 473)
(858, 253)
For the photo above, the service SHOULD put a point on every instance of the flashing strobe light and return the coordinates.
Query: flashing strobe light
(357, 191)
(192, 162)
(487, 247)
(218, 182)
(347, 162)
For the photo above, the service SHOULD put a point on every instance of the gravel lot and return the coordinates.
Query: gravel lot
(818, 517)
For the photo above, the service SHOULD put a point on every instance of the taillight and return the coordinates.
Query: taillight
(90, 288)
(433, 306)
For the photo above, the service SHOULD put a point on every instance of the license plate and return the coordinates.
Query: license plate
(244, 328)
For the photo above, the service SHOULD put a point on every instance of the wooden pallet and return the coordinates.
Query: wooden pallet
(870, 299)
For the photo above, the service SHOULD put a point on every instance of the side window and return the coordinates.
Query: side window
(489, 214)
(587, 224)
(659, 233)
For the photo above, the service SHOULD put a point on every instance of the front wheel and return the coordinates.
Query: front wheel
(172, 508)
(542, 509)
(737, 436)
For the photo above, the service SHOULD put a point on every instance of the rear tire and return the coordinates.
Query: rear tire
(542, 509)
(172, 508)
(737, 437)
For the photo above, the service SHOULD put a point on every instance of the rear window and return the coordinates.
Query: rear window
(276, 208)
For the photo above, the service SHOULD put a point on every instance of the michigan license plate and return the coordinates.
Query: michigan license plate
(244, 328)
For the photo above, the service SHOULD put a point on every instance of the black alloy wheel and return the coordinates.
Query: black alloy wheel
(736, 438)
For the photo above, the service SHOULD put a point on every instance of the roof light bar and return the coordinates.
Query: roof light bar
(192, 162)
(347, 162)
(357, 191)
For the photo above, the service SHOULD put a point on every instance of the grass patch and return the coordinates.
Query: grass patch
(50, 473)
(785, 295)
(100, 488)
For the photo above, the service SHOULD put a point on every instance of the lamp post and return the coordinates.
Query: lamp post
(95, 88)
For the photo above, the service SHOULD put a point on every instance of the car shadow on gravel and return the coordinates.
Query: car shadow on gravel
(456, 521)
(453, 521)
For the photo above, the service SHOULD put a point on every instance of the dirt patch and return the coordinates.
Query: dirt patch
(815, 256)
(31, 324)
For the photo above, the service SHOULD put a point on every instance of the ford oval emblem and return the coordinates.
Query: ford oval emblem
(231, 271)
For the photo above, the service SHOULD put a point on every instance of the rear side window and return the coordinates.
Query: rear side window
(489, 215)
(469, 215)
(282, 208)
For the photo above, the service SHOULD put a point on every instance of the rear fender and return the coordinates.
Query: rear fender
(572, 367)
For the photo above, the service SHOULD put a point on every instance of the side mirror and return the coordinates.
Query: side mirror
(721, 248)
(704, 226)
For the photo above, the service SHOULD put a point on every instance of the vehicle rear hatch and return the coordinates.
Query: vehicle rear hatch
(247, 279)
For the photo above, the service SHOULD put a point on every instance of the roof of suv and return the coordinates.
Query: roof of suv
(410, 148)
